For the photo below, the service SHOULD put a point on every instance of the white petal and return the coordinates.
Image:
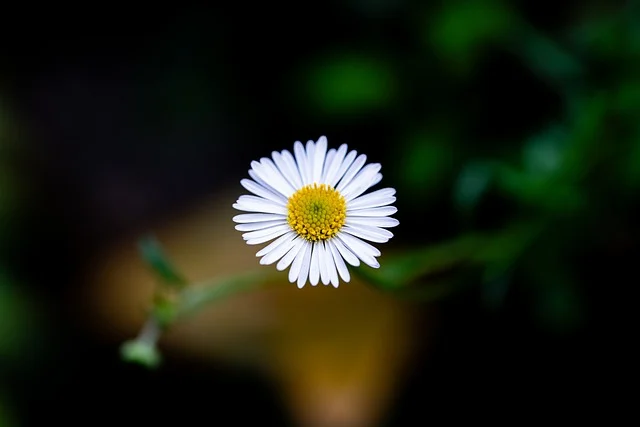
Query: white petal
(311, 152)
(275, 180)
(373, 202)
(260, 181)
(288, 159)
(287, 173)
(363, 250)
(330, 266)
(376, 179)
(322, 261)
(361, 182)
(351, 172)
(359, 245)
(318, 158)
(279, 251)
(263, 192)
(279, 181)
(258, 204)
(314, 268)
(373, 199)
(346, 163)
(294, 272)
(273, 245)
(265, 231)
(375, 221)
(302, 162)
(333, 165)
(288, 258)
(263, 239)
(248, 218)
(327, 162)
(339, 262)
(346, 253)
(367, 232)
(380, 211)
(304, 269)
(251, 226)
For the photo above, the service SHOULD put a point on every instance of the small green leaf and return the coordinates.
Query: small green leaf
(542, 154)
(152, 253)
(545, 57)
(141, 352)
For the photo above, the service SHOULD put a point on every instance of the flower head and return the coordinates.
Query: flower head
(312, 203)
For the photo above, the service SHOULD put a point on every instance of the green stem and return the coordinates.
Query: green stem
(189, 300)
(195, 297)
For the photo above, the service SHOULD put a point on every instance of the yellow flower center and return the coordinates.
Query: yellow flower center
(316, 212)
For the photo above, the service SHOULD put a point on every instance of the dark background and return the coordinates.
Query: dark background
(117, 118)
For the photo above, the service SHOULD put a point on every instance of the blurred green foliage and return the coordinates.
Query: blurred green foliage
(558, 183)
(349, 83)
(461, 30)
(153, 254)
(7, 418)
(427, 159)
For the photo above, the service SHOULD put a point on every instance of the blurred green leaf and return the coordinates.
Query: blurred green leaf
(586, 138)
(401, 270)
(542, 154)
(152, 253)
(350, 84)
(610, 34)
(427, 163)
(462, 27)
(627, 97)
(541, 192)
(472, 183)
(602, 37)
(549, 60)
(556, 161)
(422, 268)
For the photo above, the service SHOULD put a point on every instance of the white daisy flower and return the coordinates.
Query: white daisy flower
(312, 204)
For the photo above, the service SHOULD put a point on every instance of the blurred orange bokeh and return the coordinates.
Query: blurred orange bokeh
(338, 355)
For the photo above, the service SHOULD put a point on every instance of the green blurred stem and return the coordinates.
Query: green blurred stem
(150, 332)
(193, 298)
(186, 302)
